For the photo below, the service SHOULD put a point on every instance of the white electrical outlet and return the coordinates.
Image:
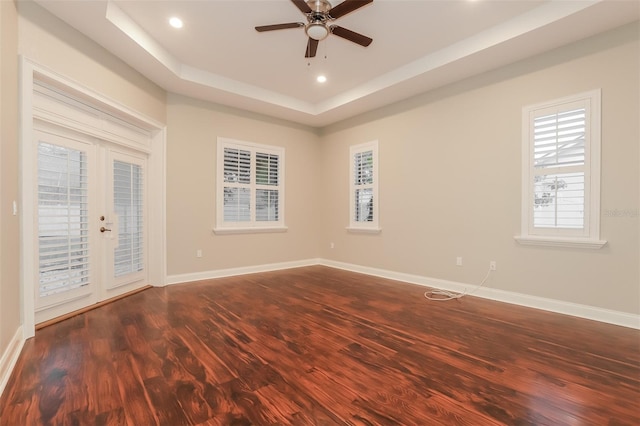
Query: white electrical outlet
(198, 253)
(492, 265)
(331, 245)
(459, 261)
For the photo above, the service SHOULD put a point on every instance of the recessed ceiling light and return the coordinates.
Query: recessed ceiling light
(321, 79)
(175, 22)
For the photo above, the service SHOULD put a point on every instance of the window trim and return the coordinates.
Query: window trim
(251, 226)
(589, 236)
(372, 227)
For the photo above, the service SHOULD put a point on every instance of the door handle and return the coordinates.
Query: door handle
(103, 229)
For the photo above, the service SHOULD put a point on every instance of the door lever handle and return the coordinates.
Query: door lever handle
(103, 229)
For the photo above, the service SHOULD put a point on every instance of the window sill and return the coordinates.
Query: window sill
(265, 230)
(566, 242)
(364, 230)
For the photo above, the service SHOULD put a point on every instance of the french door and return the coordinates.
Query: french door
(91, 221)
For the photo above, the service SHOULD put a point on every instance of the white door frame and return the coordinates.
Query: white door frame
(113, 122)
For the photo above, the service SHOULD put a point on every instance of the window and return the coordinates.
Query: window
(561, 172)
(250, 189)
(363, 198)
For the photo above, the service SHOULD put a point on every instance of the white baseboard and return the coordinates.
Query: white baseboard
(10, 357)
(220, 273)
(583, 311)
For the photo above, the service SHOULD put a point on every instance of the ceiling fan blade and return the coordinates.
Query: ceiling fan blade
(303, 6)
(351, 35)
(347, 6)
(312, 48)
(279, 26)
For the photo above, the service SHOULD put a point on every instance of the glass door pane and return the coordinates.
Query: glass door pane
(126, 213)
(63, 221)
(128, 203)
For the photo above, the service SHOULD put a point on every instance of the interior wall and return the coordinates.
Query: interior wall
(9, 225)
(51, 43)
(193, 128)
(450, 179)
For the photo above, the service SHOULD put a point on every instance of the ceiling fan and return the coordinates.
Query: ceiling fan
(319, 15)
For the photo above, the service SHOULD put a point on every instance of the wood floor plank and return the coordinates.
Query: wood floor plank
(321, 346)
(138, 408)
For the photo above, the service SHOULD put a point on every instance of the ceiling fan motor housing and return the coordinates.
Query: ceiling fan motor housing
(319, 6)
(317, 27)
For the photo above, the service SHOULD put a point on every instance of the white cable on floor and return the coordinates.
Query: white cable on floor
(442, 295)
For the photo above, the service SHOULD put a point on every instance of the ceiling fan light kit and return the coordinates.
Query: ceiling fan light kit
(319, 14)
(317, 31)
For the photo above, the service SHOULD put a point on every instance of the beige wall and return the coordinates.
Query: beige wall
(193, 128)
(9, 225)
(50, 42)
(450, 179)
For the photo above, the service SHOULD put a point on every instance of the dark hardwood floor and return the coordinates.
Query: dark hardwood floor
(320, 346)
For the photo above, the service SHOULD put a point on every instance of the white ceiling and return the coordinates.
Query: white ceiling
(418, 45)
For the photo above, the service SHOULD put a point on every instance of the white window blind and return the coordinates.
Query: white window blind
(250, 186)
(363, 183)
(63, 234)
(128, 205)
(237, 181)
(267, 176)
(561, 169)
(364, 187)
